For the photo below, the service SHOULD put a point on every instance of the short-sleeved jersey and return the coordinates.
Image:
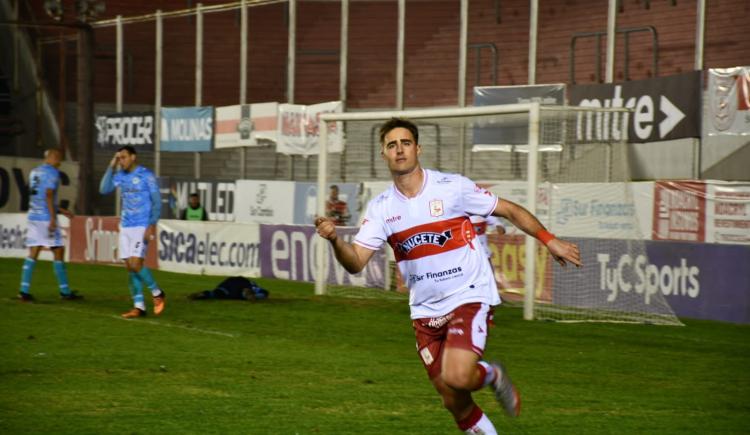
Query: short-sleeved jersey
(434, 243)
(136, 188)
(42, 178)
(482, 225)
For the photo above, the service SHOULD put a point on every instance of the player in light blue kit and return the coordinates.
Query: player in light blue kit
(141, 206)
(43, 230)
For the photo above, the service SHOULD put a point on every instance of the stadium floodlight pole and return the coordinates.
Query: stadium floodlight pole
(533, 30)
(344, 55)
(463, 38)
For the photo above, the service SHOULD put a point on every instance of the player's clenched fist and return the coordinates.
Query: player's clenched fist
(325, 228)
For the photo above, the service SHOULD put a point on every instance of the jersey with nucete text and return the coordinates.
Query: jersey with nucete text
(434, 242)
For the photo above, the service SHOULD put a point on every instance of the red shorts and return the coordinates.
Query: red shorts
(466, 327)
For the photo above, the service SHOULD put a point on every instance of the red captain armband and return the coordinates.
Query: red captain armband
(544, 236)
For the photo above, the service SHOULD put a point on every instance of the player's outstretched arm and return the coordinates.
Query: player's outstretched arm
(353, 257)
(563, 251)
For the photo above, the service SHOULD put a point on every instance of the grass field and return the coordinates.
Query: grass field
(301, 364)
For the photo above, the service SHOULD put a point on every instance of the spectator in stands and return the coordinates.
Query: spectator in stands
(424, 216)
(141, 206)
(337, 209)
(194, 211)
(43, 229)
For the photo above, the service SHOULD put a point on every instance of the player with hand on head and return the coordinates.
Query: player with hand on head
(141, 206)
(43, 229)
(424, 216)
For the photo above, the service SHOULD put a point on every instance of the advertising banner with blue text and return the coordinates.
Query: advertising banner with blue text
(13, 228)
(209, 248)
(288, 252)
(306, 196)
(264, 201)
(187, 129)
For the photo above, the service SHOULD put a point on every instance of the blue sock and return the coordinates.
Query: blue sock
(62, 277)
(136, 290)
(26, 272)
(147, 278)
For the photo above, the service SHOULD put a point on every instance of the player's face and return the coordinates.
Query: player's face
(126, 160)
(400, 151)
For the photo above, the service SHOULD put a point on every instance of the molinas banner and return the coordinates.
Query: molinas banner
(187, 129)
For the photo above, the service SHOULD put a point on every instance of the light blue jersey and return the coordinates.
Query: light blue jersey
(42, 178)
(141, 203)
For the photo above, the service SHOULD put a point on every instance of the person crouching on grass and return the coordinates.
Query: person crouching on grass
(424, 216)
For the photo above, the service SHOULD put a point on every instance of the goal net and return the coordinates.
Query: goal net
(567, 165)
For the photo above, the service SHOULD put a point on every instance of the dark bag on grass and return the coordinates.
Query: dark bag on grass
(235, 287)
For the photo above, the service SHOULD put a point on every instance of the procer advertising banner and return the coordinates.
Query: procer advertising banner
(119, 129)
(209, 248)
(187, 129)
(288, 252)
(664, 108)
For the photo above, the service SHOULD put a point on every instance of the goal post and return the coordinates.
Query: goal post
(525, 153)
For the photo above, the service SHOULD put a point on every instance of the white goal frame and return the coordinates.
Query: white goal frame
(533, 110)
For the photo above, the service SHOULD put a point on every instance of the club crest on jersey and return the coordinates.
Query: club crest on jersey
(426, 238)
(436, 207)
(136, 180)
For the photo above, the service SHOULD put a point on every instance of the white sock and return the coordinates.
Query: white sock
(477, 423)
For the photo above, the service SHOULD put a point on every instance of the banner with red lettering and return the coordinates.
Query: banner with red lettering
(298, 128)
(95, 239)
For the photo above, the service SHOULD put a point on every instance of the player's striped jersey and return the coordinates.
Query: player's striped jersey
(434, 242)
(42, 178)
(481, 226)
(136, 188)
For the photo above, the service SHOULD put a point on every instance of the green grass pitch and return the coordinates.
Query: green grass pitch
(301, 364)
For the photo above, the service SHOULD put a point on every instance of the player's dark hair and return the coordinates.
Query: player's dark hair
(128, 148)
(194, 195)
(399, 123)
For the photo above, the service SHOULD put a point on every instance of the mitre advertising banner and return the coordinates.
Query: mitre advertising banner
(217, 197)
(14, 183)
(729, 101)
(264, 201)
(119, 129)
(288, 252)
(298, 129)
(502, 136)
(187, 129)
(246, 125)
(664, 108)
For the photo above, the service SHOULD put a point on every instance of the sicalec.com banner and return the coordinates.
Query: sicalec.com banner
(187, 129)
(13, 229)
(664, 108)
(119, 129)
(288, 252)
(210, 248)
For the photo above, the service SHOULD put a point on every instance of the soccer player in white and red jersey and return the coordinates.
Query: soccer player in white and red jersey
(424, 216)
